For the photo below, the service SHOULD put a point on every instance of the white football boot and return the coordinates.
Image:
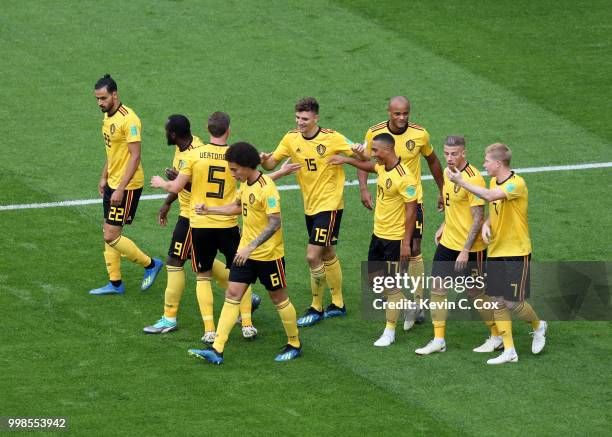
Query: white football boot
(539, 338)
(507, 356)
(435, 345)
(491, 344)
(386, 339)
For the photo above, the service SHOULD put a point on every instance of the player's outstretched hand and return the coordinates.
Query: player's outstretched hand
(358, 149)
(453, 174)
(171, 174)
(289, 167)
(265, 156)
(162, 217)
(157, 182)
(336, 160)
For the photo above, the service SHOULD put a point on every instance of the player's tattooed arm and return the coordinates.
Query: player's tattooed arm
(274, 224)
(464, 255)
(231, 209)
(477, 219)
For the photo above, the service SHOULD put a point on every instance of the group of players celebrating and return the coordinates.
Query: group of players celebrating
(203, 178)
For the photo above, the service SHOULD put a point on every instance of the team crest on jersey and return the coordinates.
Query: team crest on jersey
(112, 128)
(321, 149)
(456, 188)
(388, 184)
(410, 145)
(251, 198)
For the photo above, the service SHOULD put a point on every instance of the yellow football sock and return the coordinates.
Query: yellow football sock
(439, 314)
(205, 301)
(486, 314)
(416, 269)
(503, 321)
(317, 285)
(174, 290)
(392, 314)
(245, 307)
(333, 275)
(286, 311)
(220, 273)
(524, 311)
(113, 262)
(227, 319)
(129, 249)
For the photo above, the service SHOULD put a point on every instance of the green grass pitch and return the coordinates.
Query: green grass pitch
(531, 75)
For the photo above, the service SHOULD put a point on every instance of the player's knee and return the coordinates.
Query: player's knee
(174, 262)
(111, 234)
(278, 296)
(328, 253)
(510, 304)
(314, 259)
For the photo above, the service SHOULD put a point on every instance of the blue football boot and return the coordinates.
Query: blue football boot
(310, 317)
(108, 289)
(150, 274)
(210, 355)
(289, 353)
(334, 311)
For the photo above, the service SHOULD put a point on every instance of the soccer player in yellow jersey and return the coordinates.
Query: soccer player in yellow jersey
(322, 187)
(260, 255)
(205, 172)
(460, 251)
(411, 142)
(120, 187)
(178, 134)
(506, 231)
(394, 218)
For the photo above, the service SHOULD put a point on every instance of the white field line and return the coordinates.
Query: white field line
(295, 187)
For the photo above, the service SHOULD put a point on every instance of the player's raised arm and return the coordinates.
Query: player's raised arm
(267, 161)
(230, 209)
(366, 166)
(286, 169)
(174, 186)
(484, 193)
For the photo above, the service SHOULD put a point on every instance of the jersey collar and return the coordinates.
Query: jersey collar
(258, 178)
(312, 137)
(397, 133)
(117, 110)
(399, 160)
(506, 180)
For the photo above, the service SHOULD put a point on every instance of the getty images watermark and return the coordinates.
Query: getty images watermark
(577, 290)
(393, 282)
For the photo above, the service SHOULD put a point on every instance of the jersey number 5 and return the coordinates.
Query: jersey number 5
(216, 181)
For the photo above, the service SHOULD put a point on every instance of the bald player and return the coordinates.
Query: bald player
(411, 141)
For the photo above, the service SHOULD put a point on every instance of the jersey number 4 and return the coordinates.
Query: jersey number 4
(216, 181)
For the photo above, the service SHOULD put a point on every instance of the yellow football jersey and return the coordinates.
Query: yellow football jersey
(179, 163)
(457, 211)
(322, 184)
(211, 184)
(118, 130)
(258, 200)
(409, 146)
(509, 227)
(394, 188)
